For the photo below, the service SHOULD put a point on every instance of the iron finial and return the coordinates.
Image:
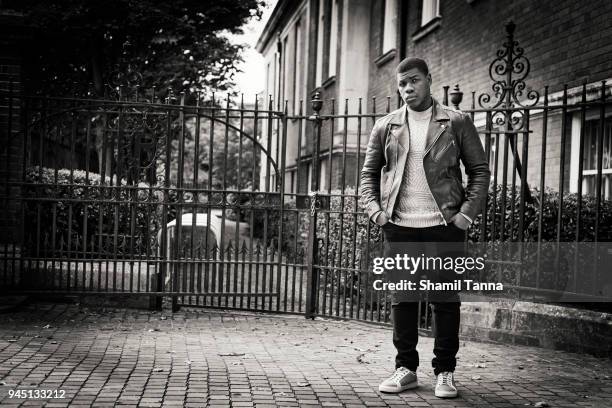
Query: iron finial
(456, 96)
(317, 102)
(510, 26)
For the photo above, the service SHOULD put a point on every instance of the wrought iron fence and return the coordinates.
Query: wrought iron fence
(224, 204)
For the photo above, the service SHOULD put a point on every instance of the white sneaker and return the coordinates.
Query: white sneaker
(402, 379)
(445, 387)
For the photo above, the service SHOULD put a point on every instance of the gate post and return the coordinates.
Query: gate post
(311, 256)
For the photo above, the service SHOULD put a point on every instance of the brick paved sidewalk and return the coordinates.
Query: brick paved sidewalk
(213, 358)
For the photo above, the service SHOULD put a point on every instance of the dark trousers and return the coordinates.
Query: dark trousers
(405, 314)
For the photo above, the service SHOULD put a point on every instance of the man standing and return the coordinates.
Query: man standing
(412, 187)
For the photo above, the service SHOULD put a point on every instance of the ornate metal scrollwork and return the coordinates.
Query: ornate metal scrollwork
(139, 140)
(508, 72)
(124, 84)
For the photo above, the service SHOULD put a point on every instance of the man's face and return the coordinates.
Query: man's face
(413, 87)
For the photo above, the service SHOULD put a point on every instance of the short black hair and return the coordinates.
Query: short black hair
(409, 63)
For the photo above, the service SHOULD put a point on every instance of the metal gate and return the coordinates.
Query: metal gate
(149, 197)
(221, 203)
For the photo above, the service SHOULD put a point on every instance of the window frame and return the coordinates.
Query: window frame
(388, 33)
(435, 7)
(591, 116)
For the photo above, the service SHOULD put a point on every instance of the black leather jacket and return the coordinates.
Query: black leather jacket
(451, 137)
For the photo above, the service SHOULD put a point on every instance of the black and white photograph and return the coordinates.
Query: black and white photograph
(309, 203)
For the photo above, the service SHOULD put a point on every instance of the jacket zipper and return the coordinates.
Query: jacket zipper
(425, 154)
(435, 140)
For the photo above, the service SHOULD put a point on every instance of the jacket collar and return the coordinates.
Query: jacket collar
(437, 114)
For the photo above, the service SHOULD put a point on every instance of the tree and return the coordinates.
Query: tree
(235, 155)
(179, 44)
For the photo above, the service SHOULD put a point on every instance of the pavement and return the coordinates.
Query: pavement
(215, 358)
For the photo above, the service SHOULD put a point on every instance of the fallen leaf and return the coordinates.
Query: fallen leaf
(303, 384)
(361, 360)
(541, 404)
(158, 370)
(47, 326)
(231, 354)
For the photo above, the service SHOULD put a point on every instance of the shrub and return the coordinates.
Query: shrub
(550, 212)
(342, 238)
(81, 216)
(294, 238)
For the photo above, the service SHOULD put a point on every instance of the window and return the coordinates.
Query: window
(297, 66)
(309, 173)
(320, 45)
(293, 180)
(285, 91)
(389, 23)
(276, 85)
(327, 40)
(592, 133)
(269, 80)
(429, 11)
(333, 39)
(322, 175)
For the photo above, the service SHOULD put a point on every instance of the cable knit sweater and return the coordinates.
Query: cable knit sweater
(415, 206)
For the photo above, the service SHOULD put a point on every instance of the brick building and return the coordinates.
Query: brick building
(348, 49)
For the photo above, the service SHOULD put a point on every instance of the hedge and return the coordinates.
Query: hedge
(336, 233)
(550, 212)
(74, 203)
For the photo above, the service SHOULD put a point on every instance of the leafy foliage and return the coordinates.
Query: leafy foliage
(180, 44)
(235, 157)
(81, 213)
(550, 217)
(350, 241)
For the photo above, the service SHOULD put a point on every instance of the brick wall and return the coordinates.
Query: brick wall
(565, 41)
(382, 74)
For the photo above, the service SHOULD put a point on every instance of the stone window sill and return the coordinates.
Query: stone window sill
(328, 82)
(386, 57)
(427, 29)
